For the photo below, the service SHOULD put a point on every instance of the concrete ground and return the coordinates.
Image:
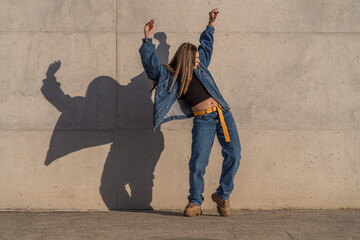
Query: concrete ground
(243, 224)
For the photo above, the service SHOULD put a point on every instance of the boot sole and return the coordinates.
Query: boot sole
(193, 215)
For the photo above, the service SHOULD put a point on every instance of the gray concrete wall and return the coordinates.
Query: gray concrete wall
(288, 69)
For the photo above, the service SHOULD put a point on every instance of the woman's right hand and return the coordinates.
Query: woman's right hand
(149, 29)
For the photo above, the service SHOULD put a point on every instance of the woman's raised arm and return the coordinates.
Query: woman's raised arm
(149, 60)
(207, 40)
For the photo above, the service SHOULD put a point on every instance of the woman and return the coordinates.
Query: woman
(184, 89)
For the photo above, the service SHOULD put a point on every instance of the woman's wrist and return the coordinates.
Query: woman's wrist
(211, 23)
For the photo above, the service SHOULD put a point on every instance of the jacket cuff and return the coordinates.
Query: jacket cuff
(147, 40)
(210, 28)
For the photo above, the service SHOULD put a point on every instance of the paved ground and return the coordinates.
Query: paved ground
(280, 224)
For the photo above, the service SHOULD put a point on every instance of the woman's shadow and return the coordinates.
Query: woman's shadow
(117, 114)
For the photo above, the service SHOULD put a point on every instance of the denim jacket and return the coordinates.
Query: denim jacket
(167, 105)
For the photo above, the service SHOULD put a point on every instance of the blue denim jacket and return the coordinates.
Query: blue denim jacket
(167, 105)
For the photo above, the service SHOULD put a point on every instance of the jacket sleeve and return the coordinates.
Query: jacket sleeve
(206, 45)
(149, 60)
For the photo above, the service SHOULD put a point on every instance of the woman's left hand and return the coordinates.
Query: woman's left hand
(213, 14)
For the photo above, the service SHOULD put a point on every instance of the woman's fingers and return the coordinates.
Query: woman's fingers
(215, 11)
(151, 21)
(150, 24)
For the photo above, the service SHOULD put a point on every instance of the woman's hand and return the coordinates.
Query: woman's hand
(149, 29)
(212, 16)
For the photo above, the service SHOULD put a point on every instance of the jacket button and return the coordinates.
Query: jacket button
(159, 116)
(166, 107)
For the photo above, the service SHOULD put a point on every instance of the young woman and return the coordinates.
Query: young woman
(185, 88)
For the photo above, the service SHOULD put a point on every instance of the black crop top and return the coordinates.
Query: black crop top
(196, 92)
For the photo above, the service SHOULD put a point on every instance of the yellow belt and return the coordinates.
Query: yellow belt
(222, 121)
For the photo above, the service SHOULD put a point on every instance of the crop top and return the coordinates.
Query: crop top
(196, 92)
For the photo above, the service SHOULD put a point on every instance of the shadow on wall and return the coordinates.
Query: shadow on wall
(117, 114)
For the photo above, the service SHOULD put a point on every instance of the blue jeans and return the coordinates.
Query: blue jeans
(203, 134)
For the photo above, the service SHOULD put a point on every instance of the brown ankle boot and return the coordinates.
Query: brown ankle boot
(223, 206)
(192, 210)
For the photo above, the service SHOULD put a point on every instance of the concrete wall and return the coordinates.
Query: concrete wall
(288, 69)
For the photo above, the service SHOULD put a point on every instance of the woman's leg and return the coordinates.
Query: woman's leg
(203, 134)
(231, 153)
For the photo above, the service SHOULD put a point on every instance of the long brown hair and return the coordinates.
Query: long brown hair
(182, 63)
